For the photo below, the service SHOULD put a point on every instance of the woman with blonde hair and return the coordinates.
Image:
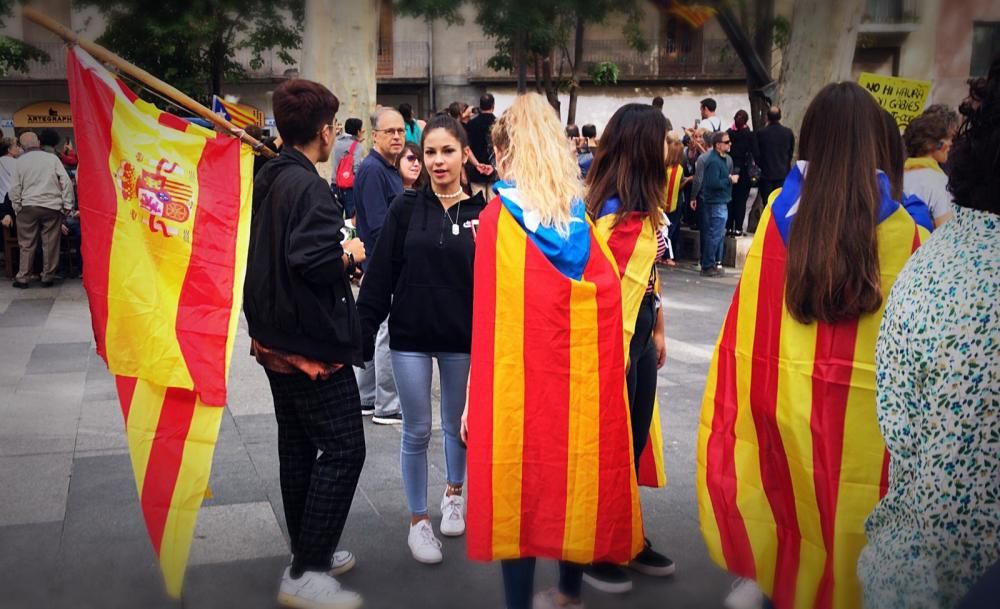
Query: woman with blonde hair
(547, 423)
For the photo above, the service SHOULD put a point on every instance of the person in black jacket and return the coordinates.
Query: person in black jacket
(745, 153)
(305, 333)
(420, 277)
(777, 149)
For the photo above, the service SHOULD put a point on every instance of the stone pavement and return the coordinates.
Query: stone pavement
(71, 534)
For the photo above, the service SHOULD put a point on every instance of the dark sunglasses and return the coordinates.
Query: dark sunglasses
(410, 158)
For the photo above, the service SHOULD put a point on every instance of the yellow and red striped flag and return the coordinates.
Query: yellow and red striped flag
(165, 214)
(550, 453)
(790, 457)
(632, 243)
(238, 114)
(695, 15)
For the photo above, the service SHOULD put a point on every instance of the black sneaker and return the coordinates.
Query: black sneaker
(608, 578)
(367, 410)
(651, 562)
(48, 284)
(388, 419)
(709, 272)
(20, 285)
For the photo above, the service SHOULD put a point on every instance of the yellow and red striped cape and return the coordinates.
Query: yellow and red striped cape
(790, 457)
(165, 212)
(632, 242)
(550, 452)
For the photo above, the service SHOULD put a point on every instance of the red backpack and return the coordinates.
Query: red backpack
(345, 169)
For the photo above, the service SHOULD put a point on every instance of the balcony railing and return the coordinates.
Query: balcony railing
(711, 59)
(891, 12)
(404, 60)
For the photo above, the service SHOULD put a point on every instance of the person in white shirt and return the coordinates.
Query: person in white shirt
(9, 151)
(709, 121)
(41, 193)
(928, 142)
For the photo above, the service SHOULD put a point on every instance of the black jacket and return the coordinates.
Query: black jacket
(297, 296)
(420, 276)
(744, 148)
(777, 145)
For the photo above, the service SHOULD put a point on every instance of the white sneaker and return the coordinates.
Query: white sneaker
(315, 590)
(746, 594)
(453, 516)
(549, 599)
(426, 548)
(342, 562)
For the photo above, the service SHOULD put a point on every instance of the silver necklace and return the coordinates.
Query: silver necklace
(454, 224)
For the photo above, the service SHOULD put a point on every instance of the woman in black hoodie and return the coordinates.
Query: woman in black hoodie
(420, 277)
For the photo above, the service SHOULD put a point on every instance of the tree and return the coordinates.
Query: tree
(192, 44)
(340, 52)
(820, 50)
(537, 32)
(15, 54)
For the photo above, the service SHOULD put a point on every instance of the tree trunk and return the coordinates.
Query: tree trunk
(551, 93)
(763, 44)
(339, 50)
(538, 75)
(574, 86)
(820, 50)
(521, 61)
(761, 88)
(216, 63)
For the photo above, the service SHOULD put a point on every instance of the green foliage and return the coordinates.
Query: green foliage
(15, 54)
(192, 44)
(604, 73)
(782, 32)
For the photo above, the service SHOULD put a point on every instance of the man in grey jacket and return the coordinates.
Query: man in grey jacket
(41, 194)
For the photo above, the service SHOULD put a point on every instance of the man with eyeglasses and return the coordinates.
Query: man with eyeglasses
(715, 192)
(376, 184)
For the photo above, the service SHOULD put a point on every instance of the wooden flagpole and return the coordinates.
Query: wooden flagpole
(147, 79)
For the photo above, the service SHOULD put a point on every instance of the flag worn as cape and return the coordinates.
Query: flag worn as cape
(790, 457)
(633, 245)
(550, 459)
(165, 212)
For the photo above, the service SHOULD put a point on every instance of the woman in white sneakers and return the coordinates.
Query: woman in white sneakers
(420, 277)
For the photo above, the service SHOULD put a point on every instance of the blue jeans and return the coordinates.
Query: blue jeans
(413, 380)
(519, 581)
(712, 223)
(376, 383)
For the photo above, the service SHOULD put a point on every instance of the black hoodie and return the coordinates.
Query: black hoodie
(422, 272)
(297, 296)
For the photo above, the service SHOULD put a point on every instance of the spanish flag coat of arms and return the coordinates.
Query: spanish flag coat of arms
(165, 212)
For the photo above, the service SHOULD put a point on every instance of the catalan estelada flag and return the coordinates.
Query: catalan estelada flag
(632, 243)
(165, 214)
(695, 15)
(551, 473)
(790, 457)
(239, 115)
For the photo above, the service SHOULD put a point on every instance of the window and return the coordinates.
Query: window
(985, 44)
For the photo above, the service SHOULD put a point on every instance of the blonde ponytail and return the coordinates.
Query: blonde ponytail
(534, 154)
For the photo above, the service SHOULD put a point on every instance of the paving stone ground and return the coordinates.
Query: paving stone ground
(71, 534)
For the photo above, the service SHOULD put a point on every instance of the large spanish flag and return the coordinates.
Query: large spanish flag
(550, 454)
(632, 243)
(165, 212)
(790, 457)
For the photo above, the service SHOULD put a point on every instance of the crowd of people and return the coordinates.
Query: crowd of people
(38, 201)
(520, 257)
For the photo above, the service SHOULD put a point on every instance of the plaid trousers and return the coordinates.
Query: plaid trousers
(321, 450)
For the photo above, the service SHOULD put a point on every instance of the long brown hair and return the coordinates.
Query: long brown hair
(629, 163)
(832, 273)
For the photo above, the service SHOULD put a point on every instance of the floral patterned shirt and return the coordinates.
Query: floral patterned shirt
(938, 380)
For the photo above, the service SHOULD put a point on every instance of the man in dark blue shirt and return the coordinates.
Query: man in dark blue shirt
(376, 184)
